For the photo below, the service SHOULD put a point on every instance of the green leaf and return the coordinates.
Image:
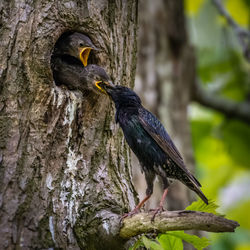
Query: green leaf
(151, 244)
(202, 207)
(137, 244)
(198, 243)
(170, 242)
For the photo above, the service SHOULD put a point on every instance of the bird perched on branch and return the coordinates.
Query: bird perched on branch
(150, 142)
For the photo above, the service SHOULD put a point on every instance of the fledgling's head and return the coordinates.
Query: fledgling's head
(120, 95)
(76, 45)
(95, 75)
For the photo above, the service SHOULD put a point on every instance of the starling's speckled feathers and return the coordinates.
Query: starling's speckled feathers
(149, 141)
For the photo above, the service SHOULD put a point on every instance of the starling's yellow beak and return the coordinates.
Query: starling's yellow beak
(84, 55)
(105, 86)
(100, 88)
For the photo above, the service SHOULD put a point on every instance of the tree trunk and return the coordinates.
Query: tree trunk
(165, 74)
(178, 86)
(64, 165)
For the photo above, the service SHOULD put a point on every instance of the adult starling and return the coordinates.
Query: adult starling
(77, 77)
(150, 142)
(75, 45)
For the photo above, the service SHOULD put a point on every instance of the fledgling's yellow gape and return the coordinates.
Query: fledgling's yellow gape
(76, 45)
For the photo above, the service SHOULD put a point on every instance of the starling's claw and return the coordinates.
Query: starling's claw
(136, 210)
(130, 214)
(156, 211)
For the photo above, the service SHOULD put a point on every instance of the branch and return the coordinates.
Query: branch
(175, 220)
(242, 34)
(230, 108)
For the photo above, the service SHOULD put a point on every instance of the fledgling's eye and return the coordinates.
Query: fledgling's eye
(81, 44)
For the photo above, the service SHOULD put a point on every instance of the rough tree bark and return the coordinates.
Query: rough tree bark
(64, 166)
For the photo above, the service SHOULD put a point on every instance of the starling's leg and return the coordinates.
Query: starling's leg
(137, 208)
(149, 175)
(160, 208)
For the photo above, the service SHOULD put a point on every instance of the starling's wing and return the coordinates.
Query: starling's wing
(156, 130)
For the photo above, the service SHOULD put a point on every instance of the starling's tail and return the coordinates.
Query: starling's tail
(194, 185)
(202, 196)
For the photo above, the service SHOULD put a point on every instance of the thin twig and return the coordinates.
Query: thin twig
(242, 34)
(238, 110)
(175, 220)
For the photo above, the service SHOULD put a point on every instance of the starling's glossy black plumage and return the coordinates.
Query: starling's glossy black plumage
(150, 142)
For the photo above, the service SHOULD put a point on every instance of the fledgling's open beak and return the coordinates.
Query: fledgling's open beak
(84, 55)
(105, 86)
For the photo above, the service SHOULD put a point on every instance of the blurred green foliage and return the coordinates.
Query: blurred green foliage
(222, 145)
(172, 240)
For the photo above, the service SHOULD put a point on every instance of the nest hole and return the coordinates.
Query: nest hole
(66, 50)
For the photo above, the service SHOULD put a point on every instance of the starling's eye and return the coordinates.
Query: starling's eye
(81, 44)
